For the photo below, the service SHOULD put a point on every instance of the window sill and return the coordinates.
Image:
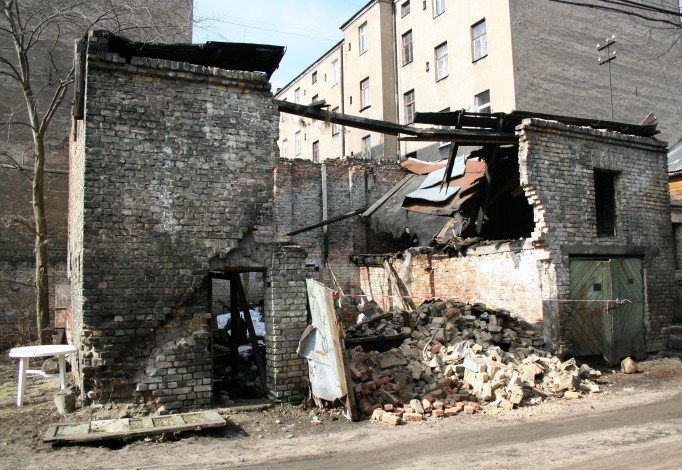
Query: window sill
(407, 63)
(366, 107)
(479, 59)
(441, 78)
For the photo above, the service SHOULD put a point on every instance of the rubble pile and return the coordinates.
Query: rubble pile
(456, 358)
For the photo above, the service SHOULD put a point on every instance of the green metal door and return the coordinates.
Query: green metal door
(590, 288)
(607, 308)
(627, 314)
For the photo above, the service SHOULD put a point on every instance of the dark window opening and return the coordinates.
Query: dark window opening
(605, 202)
(235, 367)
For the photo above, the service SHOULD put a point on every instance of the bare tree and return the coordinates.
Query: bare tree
(36, 38)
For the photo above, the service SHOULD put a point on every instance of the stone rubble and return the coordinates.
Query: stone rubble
(456, 358)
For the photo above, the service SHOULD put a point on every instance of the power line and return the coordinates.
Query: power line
(305, 36)
(674, 23)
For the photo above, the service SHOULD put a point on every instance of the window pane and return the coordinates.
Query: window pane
(407, 47)
(364, 93)
(335, 72)
(438, 7)
(316, 151)
(480, 40)
(441, 61)
(363, 38)
(405, 8)
(482, 102)
(409, 107)
(367, 147)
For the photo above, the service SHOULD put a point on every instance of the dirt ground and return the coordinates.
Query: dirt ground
(258, 436)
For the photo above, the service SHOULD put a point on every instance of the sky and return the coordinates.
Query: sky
(308, 28)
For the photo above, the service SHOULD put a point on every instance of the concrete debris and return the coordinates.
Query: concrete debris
(628, 366)
(457, 358)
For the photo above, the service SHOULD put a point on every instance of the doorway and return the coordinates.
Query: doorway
(607, 308)
(238, 334)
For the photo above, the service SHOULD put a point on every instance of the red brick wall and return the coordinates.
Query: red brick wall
(505, 275)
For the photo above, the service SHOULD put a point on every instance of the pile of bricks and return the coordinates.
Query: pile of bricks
(459, 358)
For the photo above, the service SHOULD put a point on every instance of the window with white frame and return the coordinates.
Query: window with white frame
(479, 40)
(314, 76)
(362, 38)
(482, 102)
(335, 72)
(316, 151)
(297, 143)
(315, 98)
(408, 101)
(404, 8)
(438, 7)
(367, 146)
(442, 61)
(364, 93)
(285, 148)
(407, 47)
(297, 96)
(335, 127)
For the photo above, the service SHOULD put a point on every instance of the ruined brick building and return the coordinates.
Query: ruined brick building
(175, 181)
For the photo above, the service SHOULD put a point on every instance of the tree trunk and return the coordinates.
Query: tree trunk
(41, 252)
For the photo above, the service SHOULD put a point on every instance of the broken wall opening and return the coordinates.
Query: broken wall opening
(238, 333)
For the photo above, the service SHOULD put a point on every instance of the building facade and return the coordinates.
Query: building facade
(398, 57)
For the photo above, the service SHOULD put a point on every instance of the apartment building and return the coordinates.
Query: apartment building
(399, 57)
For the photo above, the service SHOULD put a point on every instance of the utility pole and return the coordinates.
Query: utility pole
(610, 55)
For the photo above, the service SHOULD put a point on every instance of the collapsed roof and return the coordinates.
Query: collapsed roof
(478, 200)
(261, 58)
(477, 195)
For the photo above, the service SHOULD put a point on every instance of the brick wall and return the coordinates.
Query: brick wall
(505, 275)
(169, 171)
(298, 203)
(557, 165)
(286, 303)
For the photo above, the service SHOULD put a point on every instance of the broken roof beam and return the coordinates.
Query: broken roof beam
(460, 119)
(315, 112)
(464, 136)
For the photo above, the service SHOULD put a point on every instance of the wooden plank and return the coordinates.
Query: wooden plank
(236, 283)
(326, 222)
(131, 427)
(387, 195)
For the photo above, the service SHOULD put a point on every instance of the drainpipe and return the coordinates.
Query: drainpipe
(343, 103)
(394, 46)
(325, 237)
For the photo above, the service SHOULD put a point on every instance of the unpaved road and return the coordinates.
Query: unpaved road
(647, 436)
(635, 423)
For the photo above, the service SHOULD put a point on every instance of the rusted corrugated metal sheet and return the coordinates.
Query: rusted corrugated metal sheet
(475, 170)
(322, 346)
(419, 167)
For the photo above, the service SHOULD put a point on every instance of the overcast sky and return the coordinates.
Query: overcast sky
(308, 28)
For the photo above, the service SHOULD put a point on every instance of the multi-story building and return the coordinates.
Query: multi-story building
(402, 56)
